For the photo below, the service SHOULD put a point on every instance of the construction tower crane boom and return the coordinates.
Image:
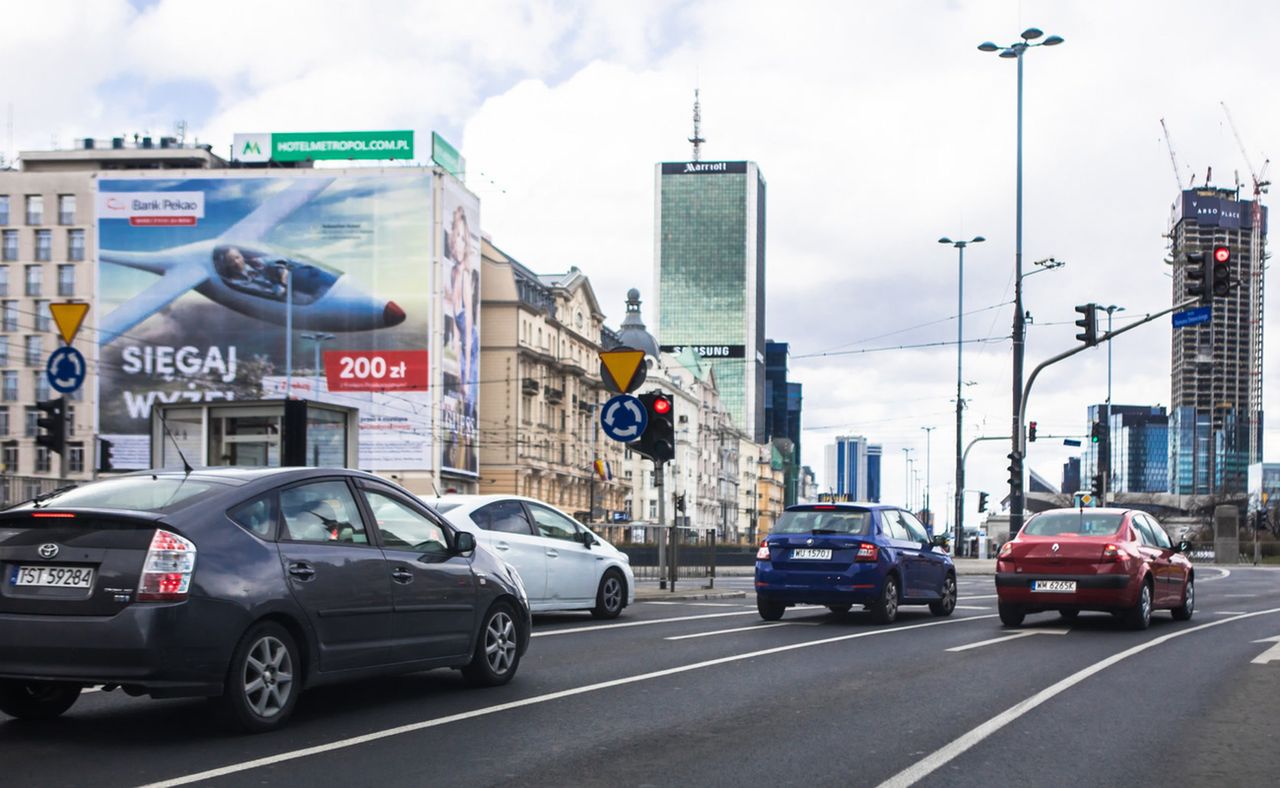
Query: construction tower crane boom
(1177, 174)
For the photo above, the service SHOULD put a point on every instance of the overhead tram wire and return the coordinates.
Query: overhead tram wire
(939, 343)
(923, 325)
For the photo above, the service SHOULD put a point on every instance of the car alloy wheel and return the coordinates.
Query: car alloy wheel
(263, 680)
(497, 652)
(1188, 607)
(1139, 616)
(609, 596)
(885, 610)
(947, 604)
(268, 677)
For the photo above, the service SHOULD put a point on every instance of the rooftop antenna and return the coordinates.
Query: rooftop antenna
(697, 139)
(180, 131)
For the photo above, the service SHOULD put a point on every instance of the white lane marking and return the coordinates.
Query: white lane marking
(333, 746)
(1015, 635)
(1225, 573)
(728, 631)
(606, 627)
(694, 604)
(973, 607)
(1229, 612)
(944, 755)
(1240, 596)
(1270, 655)
(978, 596)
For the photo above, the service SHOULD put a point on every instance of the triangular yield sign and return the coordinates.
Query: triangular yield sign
(622, 365)
(68, 315)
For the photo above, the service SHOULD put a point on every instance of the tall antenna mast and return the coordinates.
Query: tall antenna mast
(697, 138)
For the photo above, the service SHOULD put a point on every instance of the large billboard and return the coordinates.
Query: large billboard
(200, 280)
(460, 349)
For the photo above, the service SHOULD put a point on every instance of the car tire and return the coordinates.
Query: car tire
(1011, 615)
(770, 611)
(611, 596)
(264, 679)
(1138, 617)
(1188, 607)
(1069, 615)
(885, 609)
(37, 700)
(839, 610)
(947, 604)
(497, 652)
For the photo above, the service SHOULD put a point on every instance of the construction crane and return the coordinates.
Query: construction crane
(1177, 174)
(1256, 266)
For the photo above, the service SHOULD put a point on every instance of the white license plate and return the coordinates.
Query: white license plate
(1054, 586)
(54, 576)
(807, 554)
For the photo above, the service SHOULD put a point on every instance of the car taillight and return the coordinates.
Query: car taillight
(166, 572)
(867, 552)
(763, 553)
(1111, 553)
(1006, 552)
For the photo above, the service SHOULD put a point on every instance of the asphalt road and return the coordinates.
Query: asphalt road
(705, 693)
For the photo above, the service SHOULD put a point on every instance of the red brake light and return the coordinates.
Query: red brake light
(167, 569)
(867, 552)
(763, 553)
(52, 514)
(1006, 552)
(824, 508)
(1111, 553)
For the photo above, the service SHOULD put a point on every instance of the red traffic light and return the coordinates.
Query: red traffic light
(661, 406)
(1222, 254)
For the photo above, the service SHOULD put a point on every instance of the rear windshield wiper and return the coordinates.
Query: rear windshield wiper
(46, 496)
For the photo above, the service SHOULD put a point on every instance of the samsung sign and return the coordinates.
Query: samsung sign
(703, 167)
(708, 351)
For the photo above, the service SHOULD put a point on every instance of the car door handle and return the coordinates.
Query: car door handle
(502, 546)
(401, 575)
(553, 554)
(302, 571)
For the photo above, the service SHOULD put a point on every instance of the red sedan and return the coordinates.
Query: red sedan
(1115, 560)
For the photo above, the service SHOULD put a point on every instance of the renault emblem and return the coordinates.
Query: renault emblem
(1055, 547)
(48, 550)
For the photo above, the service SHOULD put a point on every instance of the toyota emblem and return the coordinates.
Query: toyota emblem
(1055, 547)
(48, 550)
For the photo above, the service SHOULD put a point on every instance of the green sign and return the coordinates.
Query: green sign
(447, 156)
(301, 146)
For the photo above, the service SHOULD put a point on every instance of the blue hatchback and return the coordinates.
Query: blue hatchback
(845, 554)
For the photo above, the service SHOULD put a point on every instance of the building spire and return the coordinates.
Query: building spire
(697, 138)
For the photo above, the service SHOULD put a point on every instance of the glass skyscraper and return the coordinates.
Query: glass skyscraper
(710, 254)
(853, 469)
(1139, 448)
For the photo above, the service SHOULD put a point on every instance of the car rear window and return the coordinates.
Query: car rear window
(832, 521)
(137, 493)
(1080, 523)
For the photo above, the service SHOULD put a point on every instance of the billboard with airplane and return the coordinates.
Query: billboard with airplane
(243, 287)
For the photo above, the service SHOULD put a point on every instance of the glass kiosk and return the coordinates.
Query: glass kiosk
(258, 433)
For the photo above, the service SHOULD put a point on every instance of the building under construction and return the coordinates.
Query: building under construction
(1215, 418)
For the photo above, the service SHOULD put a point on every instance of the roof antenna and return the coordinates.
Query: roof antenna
(186, 466)
(697, 139)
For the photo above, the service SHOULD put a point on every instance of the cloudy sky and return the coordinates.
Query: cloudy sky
(878, 126)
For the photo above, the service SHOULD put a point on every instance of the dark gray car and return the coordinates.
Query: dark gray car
(245, 584)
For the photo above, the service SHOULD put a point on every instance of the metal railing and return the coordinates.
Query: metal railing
(16, 489)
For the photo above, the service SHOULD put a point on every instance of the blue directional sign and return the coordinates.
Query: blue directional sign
(1192, 317)
(623, 418)
(65, 369)
(1070, 442)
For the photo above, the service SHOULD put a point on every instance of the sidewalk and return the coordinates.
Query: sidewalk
(735, 577)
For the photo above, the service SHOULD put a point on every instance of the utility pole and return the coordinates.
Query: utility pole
(928, 478)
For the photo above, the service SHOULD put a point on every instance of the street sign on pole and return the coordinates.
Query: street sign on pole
(623, 418)
(65, 369)
(69, 315)
(1192, 317)
(622, 369)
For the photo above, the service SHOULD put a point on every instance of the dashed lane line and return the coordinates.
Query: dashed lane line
(746, 629)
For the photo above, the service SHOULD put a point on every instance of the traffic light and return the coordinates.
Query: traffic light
(982, 502)
(1196, 286)
(1095, 432)
(680, 503)
(1096, 489)
(53, 424)
(1088, 324)
(105, 464)
(1221, 271)
(1015, 471)
(657, 442)
(1031, 431)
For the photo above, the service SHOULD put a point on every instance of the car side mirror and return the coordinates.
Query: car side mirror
(464, 542)
(587, 539)
(939, 540)
(1184, 546)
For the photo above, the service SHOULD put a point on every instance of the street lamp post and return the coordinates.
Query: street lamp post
(906, 470)
(318, 337)
(959, 493)
(1106, 479)
(1016, 51)
(928, 475)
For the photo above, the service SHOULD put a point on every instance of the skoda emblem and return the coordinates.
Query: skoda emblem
(807, 541)
(1055, 547)
(48, 550)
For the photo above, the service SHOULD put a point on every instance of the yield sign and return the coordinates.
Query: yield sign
(619, 366)
(68, 315)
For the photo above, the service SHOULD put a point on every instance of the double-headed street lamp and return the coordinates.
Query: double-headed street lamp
(1111, 310)
(1016, 51)
(960, 245)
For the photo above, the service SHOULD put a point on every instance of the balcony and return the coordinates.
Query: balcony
(554, 396)
(529, 386)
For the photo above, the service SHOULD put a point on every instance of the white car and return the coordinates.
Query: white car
(563, 564)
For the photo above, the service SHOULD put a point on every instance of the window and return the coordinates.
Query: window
(653, 510)
(40, 383)
(44, 245)
(4, 420)
(10, 247)
(1142, 530)
(75, 245)
(891, 525)
(32, 415)
(4, 350)
(43, 320)
(33, 350)
(75, 458)
(916, 531)
(42, 460)
(1162, 538)
(66, 209)
(66, 280)
(35, 209)
(322, 512)
(71, 420)
(504, 516)
(258, 516)
(9, 316)
(35, 278)
(151, 493)
(552, 524)
(9, 378)
(4, 280)
(4, 209)
(403, 527)
(11, 457)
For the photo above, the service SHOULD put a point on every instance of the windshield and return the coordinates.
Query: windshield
(137, 493)
(827, 521)
(1078, 523)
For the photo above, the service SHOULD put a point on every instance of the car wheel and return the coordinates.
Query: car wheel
(947, 604)
(37, 700)
(1184, 611)
(1069, 615)
(839, 610)
(1011, 615)
(610, 595)
(497, 653)
(770, 611)
(264, 679)
(885, 609)
(1139, 616)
